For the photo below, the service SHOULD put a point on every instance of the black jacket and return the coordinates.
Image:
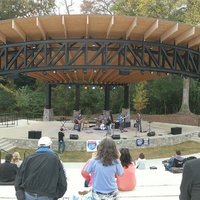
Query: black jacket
(190, 185)
(8, 171)
(42, 173)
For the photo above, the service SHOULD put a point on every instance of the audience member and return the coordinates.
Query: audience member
(86, 176)
(103, 168)
(41, 175)
(16, 159)
(141, 162)
(8, 170)
(174, 161)
(127, 181)
(61, 142)
(190, 184)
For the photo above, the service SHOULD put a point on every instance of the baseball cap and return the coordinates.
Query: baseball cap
(44, 141)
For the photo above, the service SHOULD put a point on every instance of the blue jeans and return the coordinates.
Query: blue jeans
(61, 146)
(30, 197)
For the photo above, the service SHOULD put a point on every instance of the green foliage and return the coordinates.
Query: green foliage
(62, 100)
(24, 8)
(195, 96)
(140, 97)
(165, 95)
(92, 100)
(7, 101)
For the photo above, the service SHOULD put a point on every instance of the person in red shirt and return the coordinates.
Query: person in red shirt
(127, 181)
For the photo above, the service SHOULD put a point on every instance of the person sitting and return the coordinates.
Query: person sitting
(127, 181)
(8, 171)
(176, 161)
(16, 159)
(141, 162)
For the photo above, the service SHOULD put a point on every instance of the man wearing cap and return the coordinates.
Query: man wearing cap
(41, 175)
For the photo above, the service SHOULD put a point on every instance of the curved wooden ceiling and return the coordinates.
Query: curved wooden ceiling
(97, 27)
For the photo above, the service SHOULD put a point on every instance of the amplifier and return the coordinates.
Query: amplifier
(176, 130)
(115, 137)
(73, 136)
(150, 134)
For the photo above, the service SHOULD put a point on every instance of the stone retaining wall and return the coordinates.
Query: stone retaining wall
(137, 142)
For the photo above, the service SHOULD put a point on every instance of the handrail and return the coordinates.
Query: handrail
(25, 153)
(1, 153)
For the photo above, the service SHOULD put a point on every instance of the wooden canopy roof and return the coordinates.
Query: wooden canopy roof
(76, 28)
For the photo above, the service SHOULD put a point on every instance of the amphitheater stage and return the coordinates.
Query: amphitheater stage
(18, 133)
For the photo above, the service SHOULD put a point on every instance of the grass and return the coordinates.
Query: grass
(186, 148)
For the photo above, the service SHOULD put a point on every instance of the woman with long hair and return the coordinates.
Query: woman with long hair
(127, 181)
(104, 168)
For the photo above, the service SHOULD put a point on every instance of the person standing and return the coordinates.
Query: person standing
(61, 142)
(104, 167)
(121, 118)
(8, 170)
(190, 183)
(127, 181)
(41, 175)
(139, 122)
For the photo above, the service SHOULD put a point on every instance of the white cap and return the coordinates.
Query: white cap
(44, 141)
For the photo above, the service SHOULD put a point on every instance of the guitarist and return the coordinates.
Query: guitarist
(78, 120)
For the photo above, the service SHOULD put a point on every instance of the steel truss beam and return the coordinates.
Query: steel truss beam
(123, 55)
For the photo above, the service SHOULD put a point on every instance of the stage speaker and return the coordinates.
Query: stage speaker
(116, 125)
(150, 134)
(176, 130)
(34, 134)
(73, 136)
(115, 137)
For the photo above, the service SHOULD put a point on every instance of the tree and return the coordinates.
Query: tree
(25, 8)
(180, 10)
(140, 98)
(97, 7)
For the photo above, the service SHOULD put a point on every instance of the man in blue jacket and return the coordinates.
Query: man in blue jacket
(41, 175)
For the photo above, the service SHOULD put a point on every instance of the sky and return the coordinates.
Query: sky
(75, 9)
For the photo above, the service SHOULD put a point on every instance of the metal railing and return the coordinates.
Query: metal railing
(2, 150)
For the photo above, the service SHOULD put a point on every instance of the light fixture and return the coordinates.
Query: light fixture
(93, 87)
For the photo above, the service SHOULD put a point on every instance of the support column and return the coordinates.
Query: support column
(77, 97)
(48, 111)
(126, 96)
(126, 106)
(107, 98)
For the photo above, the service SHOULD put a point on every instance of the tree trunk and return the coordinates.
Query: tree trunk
(185, 108)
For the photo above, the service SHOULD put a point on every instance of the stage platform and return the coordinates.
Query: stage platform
(18, 134)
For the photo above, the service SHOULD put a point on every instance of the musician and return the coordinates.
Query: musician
(121, 119)
(108, 125)
(78, 120)
(139, 122)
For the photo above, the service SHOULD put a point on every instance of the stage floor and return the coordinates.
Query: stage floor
(21, 128)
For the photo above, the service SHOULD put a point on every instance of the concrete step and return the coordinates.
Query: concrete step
(6, 144)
